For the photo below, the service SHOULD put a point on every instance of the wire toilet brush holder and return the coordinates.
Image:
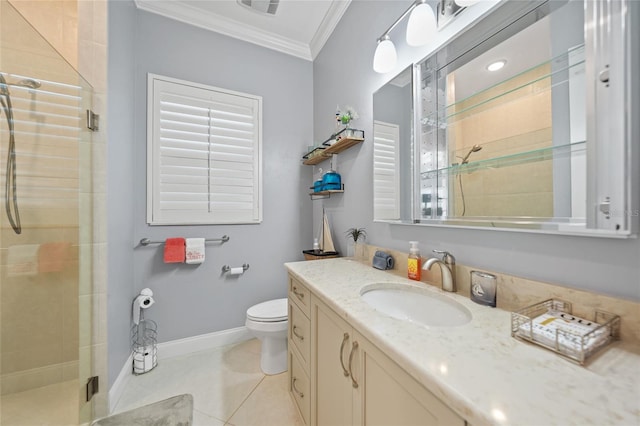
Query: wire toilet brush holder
(144, 345)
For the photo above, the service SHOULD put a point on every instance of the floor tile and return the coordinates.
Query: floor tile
(201, 419)
(269, 405)
(219, 380)
(48, 405)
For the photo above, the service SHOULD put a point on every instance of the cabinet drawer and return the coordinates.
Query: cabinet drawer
(300, 295)
(300, 333)
(300, 387)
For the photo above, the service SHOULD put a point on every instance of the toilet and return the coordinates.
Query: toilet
(268, 321)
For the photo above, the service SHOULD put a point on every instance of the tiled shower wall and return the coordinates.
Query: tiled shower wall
(516, 122)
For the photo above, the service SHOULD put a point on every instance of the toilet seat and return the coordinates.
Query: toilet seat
(270, 311)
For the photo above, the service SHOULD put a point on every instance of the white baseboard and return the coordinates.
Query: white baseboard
(176, 348)
(202, 342)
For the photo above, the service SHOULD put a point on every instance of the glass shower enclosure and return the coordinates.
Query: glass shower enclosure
(45, 231)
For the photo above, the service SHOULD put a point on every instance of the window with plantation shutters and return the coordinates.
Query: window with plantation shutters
(203, 154)
(386, 174)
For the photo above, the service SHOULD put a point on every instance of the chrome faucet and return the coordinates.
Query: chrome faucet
(448, 268)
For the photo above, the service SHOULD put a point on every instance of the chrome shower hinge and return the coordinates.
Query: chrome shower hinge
(93, 121)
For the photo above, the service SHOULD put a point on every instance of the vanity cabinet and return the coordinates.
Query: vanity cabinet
(299, 347)
(347, 380)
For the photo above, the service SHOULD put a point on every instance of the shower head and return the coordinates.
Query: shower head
(4, 88)
(29, 82)
(473, 149)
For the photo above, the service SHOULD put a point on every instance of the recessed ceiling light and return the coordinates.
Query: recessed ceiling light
(495, 66)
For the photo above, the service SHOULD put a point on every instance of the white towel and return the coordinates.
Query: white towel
(22, 260)
(194, 250)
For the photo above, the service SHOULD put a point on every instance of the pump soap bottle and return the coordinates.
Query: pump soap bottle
(414, 265)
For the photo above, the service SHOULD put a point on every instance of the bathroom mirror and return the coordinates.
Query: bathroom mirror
(503, 135)
(392, 147)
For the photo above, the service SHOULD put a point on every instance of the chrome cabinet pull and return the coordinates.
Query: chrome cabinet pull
(344, 341)
(297, 293)
(353, 351)
(299, 336)
(293, 385)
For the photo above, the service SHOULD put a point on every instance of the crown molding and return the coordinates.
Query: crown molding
(328, 24)
(229, 27)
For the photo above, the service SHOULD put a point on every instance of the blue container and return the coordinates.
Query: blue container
(317, 186)
(331, 181)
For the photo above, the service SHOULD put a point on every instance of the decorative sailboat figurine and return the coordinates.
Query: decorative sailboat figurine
(327, 249)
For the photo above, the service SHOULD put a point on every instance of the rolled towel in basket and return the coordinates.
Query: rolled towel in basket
(570, 333)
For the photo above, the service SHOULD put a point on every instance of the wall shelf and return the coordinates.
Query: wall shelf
(319, 154)
(325, 194)
(536, 155)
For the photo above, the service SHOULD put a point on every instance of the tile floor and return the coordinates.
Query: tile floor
(227, 385)
(48, 405)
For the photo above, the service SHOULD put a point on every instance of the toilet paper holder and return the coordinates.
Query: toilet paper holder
(227, 268)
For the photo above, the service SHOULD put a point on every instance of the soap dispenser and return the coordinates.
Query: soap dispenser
(414, 264)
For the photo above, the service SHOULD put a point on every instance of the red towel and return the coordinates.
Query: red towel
(174, 250)
(52, 257)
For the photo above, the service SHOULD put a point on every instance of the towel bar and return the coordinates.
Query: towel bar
(146, 241)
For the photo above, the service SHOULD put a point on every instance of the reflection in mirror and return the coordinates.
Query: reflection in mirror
(392, 144)
(503, 128)
(516, 125)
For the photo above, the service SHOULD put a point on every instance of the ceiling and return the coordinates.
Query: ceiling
(299, 27)
(474, 77)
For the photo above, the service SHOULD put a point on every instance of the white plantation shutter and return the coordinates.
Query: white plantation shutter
(386, 174)
(204, 154)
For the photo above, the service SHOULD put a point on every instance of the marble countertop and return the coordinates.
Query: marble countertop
(478, 369)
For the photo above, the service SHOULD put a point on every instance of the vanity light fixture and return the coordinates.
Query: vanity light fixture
(466, 3)
(385, 58)
(497, 65)
(421, 27)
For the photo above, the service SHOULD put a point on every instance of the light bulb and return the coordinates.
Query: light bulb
(466, 3)
(384, 60)
(495, 66)
(421, 26)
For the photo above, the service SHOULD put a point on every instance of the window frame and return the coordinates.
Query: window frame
(153, 217)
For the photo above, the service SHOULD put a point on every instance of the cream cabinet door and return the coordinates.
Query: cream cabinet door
(332, 403)
(390, 396)
(354, 383)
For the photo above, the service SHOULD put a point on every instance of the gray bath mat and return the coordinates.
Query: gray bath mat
(175, 411)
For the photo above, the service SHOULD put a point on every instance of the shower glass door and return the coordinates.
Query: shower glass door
(45, 231)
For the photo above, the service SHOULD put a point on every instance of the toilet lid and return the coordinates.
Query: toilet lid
(270, 311)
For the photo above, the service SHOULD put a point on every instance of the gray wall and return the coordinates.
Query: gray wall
(609, 266)
(196, 299)
(120, 167)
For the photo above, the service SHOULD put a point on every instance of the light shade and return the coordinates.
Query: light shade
(466, 3)
(385, 58)
(422, 25)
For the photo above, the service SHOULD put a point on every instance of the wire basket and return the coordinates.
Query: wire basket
(551, 324)
(144, 346)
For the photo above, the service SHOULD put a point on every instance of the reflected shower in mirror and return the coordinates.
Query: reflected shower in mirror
(525, 109)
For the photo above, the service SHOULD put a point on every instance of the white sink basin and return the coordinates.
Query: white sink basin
(416, 305)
